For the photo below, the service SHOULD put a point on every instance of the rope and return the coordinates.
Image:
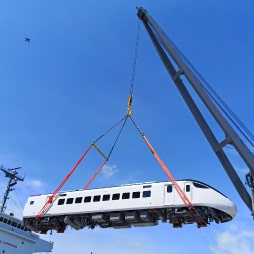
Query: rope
(105, 157)
(125, 120)
(135, 58)
(107, 131)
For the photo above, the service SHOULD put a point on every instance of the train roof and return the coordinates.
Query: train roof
(141, 183)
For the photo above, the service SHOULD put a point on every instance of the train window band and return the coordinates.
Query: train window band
(106, 197)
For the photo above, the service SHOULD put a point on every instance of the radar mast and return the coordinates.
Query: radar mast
(13, 176)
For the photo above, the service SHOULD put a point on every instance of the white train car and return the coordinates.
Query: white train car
(142, 204)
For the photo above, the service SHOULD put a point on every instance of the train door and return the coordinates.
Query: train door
(173, 198)
(188, 190)
(169, 194)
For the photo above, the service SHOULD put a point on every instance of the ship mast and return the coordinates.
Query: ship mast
(12, 174)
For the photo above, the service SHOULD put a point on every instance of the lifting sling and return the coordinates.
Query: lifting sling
(179, 190)
(53, 197)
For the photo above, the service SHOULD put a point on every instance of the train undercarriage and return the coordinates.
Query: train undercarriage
(202, 216)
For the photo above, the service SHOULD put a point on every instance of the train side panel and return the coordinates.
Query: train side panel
(100, 200)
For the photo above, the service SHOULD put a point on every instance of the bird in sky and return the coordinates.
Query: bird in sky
(27, 39)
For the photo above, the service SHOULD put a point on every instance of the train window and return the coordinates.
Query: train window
(116, 196)
(31, 202)
(61, 201)
(169, 188)
(146, 194)
(126, 195)
(78, 200)
(199, 185)
(106, 197)
(136, 194)
(87, 199)
(187, 188)
(96, 198)
(69, 201)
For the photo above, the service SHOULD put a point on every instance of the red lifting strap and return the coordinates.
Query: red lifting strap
(164, 167)
(95, 174)
(170, 176)
(51, 199)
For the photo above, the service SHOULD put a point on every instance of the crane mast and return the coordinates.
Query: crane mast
(13, 176)
(179, 70)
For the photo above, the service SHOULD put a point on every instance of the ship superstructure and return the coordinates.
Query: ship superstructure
(15, 238)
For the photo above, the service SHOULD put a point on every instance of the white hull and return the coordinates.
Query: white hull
(14, 240)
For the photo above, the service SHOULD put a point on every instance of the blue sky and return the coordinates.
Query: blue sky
(71, 83)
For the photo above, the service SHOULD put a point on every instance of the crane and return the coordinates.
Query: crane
(181, 71)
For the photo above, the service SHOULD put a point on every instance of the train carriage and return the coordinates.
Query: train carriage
(143, 204)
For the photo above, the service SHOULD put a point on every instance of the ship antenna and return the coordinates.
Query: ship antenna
(13, 176)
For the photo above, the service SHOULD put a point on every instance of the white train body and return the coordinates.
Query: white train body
(141, 204)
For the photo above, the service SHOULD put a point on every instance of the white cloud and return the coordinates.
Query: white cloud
(34, 183)
(31, 187)
(237, 239)
(109, 170)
